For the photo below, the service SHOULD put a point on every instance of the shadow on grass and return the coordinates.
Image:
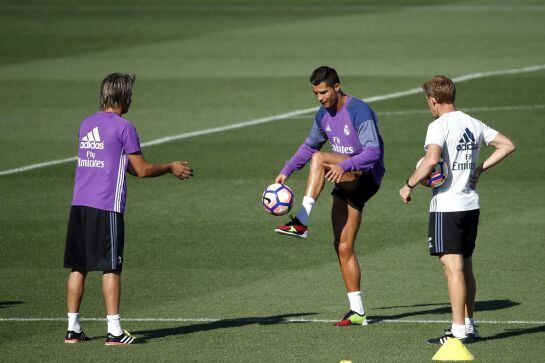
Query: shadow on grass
(7, 304)
(487, 305)
(145, 335)
(514, 333)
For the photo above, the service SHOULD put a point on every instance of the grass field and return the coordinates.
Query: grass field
(202, 253)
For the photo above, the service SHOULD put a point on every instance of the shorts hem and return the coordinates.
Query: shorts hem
(349, 201)
(465, 254)
(452, 252)
(93, 269)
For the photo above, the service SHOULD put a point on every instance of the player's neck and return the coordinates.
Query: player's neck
(341, 100)
(116, 110)
(443, 108)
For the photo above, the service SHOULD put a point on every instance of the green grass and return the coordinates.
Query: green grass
(204, 248)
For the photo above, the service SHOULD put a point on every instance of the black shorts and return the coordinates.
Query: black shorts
(453, 232)
(95, 240)
(367, 187)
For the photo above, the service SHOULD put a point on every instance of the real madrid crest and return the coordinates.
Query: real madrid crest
(346, 130)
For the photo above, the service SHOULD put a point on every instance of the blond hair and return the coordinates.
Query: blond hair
(441, 88)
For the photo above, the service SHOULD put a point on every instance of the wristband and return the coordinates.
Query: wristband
(410, 186)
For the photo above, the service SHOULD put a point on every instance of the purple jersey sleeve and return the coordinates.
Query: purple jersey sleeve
(130, 139)
(365, 122)
(312, 144)
(362, 161)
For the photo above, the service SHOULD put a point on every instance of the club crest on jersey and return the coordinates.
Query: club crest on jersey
(346, 130)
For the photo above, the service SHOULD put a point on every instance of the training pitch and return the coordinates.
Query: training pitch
(224, 85)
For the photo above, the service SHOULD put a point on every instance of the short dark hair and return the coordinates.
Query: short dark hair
(116, 91)
(324, 74)
(441, 88)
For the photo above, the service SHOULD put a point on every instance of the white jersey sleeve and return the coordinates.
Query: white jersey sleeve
(435, 135)
(489, 133)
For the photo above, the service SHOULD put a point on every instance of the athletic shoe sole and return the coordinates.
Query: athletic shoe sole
(116, 343)
(74, 341)
(304, 235)
(350, 324)
(75, 338)
(124, 339)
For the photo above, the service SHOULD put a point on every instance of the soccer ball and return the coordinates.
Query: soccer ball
(437, 176)
(277, 199)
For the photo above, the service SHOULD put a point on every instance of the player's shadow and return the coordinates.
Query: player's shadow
(444, 308)
(514, 333)
(7, 304)
(145, 335)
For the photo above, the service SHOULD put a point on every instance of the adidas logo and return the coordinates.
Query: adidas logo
(467, 142)
(92, 140)
(328, 129)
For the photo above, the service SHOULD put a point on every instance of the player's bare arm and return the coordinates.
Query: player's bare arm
(504, 146)
(138, 166)
(281, 179)
(433, 155)
(334, 172)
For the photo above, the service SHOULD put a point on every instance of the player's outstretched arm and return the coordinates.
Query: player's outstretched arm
(433, 155)
(504, 146)
(302, 156)
(334, 172)
(138, 166)
(281, 179)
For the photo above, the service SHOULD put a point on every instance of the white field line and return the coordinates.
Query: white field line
(272, 320)
(468, 109)
(283, 116)
(285, 8)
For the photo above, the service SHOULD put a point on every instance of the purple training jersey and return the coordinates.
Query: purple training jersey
(104, 139)
(352, 131)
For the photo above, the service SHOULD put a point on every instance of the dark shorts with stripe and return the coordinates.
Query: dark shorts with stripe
(95, 240)
(453, 232)
(366, 188)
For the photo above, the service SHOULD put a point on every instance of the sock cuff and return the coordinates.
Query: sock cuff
(307, 199)
(73, 322)
(113, 317)
(458, 330)
(354, 293)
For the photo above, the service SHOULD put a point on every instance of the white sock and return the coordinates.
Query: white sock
(73, 322)
(470, 322)
(114, 324)
(305, 210)
(355, 302)
(458, 330)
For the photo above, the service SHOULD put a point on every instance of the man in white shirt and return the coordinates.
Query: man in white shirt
(454, 209)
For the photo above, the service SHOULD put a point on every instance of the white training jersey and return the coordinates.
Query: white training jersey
(460, 137)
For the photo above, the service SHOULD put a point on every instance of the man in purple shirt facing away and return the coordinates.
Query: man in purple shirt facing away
(356, 166)
(108, 148)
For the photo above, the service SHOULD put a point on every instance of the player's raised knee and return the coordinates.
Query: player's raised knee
(318, 158)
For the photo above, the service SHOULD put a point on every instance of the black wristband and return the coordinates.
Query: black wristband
(409, 185)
